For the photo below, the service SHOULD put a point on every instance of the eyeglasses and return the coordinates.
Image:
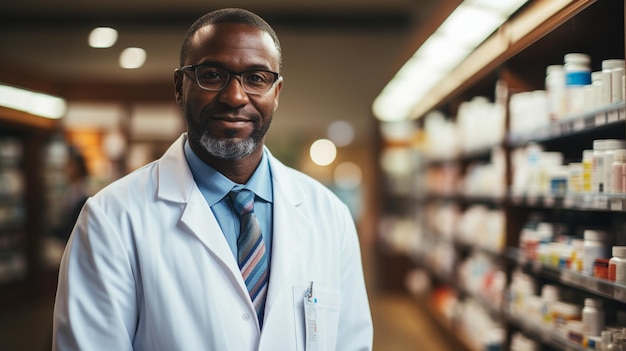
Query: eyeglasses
(213, 78)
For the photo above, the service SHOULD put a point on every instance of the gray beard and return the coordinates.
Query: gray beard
(227, 149)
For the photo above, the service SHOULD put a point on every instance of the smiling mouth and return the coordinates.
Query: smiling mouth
(232, 120)
(231, 126)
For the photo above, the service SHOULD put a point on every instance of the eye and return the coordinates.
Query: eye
(259, 78)
(211, 74)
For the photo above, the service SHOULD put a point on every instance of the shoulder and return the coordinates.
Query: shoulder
(136, 186)
(168, 177)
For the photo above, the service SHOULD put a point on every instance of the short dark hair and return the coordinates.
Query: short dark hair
(229, 15)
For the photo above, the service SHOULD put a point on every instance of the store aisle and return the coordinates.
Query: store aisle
(399, 325)
(27, 325)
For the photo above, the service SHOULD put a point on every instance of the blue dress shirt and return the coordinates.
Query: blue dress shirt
(215, 187)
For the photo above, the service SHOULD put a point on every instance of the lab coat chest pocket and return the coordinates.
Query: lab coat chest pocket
(325, 318)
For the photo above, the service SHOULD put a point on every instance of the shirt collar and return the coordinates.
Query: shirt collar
(216, 186)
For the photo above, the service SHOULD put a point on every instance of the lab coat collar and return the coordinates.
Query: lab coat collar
(176, 181)
(175, 178)
(291, 225)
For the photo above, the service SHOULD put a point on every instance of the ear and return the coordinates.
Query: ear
(279, 86)
(178, 86)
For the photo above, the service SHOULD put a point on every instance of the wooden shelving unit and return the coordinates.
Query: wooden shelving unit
(23, 205)
(515, 59)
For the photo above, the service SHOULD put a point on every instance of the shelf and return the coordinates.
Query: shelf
(541, 332)
(478, 154)
(25, 120)
(597, 286)
(515, 59)
(579, 202)
(610, 116)
(469, 247)
(474, 199)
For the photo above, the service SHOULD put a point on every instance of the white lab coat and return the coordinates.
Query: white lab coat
(148, 268)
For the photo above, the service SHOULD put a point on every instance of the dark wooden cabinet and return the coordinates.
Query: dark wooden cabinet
(23, 225)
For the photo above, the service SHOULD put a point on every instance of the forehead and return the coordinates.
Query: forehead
(233, 44)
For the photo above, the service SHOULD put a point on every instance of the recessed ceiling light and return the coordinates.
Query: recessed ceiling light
(132, 58)
(102, 37)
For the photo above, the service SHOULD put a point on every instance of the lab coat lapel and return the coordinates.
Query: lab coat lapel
(176, 184)
(199, 219)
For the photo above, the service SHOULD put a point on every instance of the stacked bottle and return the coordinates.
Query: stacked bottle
(577, 76)
(603, 152)
(612, 73)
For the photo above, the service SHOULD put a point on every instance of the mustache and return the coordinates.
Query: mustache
(227, 112)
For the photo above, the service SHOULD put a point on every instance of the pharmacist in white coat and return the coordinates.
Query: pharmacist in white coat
(152, 261)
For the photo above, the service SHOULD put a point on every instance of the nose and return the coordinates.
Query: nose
(233, 93)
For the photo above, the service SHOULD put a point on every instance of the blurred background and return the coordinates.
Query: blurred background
(337, 57)
(422, 115)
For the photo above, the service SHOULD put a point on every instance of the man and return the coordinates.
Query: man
(155, 259)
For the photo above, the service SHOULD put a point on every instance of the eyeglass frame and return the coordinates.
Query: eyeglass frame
(193, 68)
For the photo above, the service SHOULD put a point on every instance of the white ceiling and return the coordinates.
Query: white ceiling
(337, 54)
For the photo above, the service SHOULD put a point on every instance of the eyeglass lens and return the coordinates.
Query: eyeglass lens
(254, 82)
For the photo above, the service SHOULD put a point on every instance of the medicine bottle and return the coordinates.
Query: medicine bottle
(592, 317)
(597, 89)
(612, 81)
(607, 339)
(597, 172)
(612, 145)
(616, 84)
(603, 153)
(555, 90)
(575, 177)
(617, 265)
(594, 247)
(587, 170)
(617, 343)
(618, 172)
(601, 268)
(549, 295)
(577, 76)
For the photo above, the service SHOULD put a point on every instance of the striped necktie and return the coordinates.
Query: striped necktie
(252, 257)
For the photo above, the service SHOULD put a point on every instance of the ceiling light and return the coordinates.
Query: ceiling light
(506, 8)
(323, 152)
(341, 133)
(132, 58)
(463, 31)
(32, 102)
(469, 25)
(102, 37)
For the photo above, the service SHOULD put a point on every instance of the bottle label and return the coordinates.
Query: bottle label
(578, 78)
(620, 273)
(612, 271)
